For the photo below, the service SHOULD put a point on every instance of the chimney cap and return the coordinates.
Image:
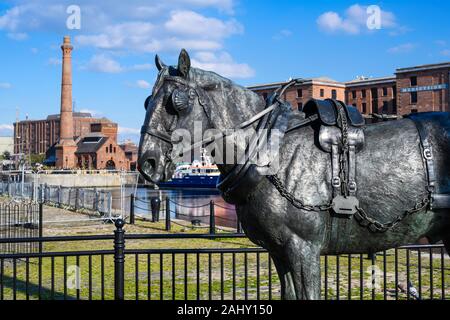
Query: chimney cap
(67, 39)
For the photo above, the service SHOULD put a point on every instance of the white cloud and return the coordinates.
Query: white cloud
(102, 63)
(223, 64)
(402, 48)
(354, 21)
(34, 50)
(18, 36)
(54, 61)
(193, 24)
(186, 29)
(140, 67)
(105, 64)
(143, 26)
(285, 33)
(6, 127)
(123, 35)
(143, 84)
(124, 130)
(445, 52)
(5, 85)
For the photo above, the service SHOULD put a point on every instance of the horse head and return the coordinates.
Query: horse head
(186, 99)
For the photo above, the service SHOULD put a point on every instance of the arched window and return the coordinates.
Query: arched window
(106, 149)
(110, 148)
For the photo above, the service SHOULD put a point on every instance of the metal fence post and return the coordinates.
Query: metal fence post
(109, 204)
(167, 214)
(77, 194)
(212, 218)
(95, 204)
(41, 227)
(59, 196)
(238, 227)
(119, 260)
(131, 208)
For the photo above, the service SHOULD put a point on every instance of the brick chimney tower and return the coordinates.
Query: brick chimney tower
(66, 147)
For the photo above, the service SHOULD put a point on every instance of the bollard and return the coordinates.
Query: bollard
(167, 214)
(212, 218)
(155, 205)
(119, 260)
(131, 208)
(238, 227)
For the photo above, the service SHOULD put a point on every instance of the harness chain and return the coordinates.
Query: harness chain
(275, 180)
(361, 216)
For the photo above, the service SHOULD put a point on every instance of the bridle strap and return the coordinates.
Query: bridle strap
(276, 104)
(157, 134)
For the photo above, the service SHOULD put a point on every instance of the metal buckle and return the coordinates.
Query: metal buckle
(352, 186)
(336, 182)
(427, 154)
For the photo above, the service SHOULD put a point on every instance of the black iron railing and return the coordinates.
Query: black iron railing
(119, 272)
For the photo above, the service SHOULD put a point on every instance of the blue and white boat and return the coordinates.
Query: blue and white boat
(198, 174)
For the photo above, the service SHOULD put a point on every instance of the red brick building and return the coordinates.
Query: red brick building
(131, 152)
(73, 140)
(423, 88)
(415, 89)
(99, 149)
(298, 95)
(374, 97)
(36, 136)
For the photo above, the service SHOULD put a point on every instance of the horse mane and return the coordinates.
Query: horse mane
(228, 96)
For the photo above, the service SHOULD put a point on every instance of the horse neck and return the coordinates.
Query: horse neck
(232, 108)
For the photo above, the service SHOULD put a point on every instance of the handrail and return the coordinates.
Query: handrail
(168, 251)
(127, 236)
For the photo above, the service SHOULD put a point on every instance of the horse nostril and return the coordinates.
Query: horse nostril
(149, 166)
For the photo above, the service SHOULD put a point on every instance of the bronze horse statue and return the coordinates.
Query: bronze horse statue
(402, 169)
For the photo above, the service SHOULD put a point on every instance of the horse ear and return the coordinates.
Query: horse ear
(184, 63)
(159, 64)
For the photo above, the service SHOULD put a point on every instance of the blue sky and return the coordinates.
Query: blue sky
(249, 41)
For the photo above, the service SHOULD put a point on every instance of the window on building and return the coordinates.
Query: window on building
(110, 148)
(413, 97)
(322, 92)
(354, 94)
(114, 149)
(333, 94)
(363, 93)
(364, 107)
(299, 93)
(300, 106)
(413, 81)
(385, 107)
(385, 91)
(106, 149)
